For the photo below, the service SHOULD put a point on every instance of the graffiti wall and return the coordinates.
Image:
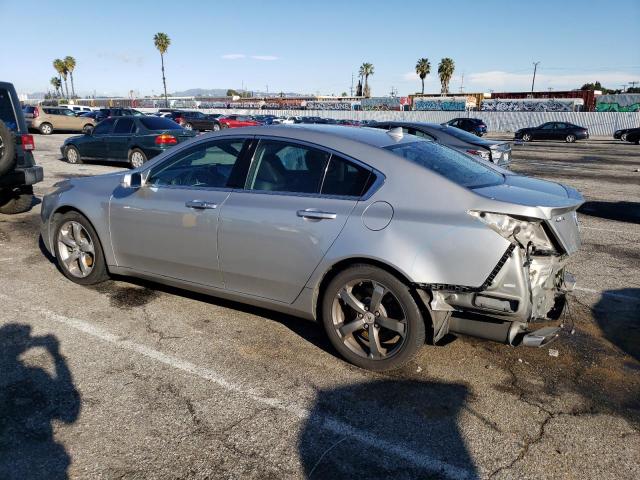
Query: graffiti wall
(624, 102)
(381, 103)
(329, 105)
(439, 105)
(532, 105)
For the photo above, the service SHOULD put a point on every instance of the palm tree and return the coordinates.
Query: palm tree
(61, 68)
(70, 63)
(57, 85)
(366, 69)
(162, 42)
(423, 68)
(445, 71)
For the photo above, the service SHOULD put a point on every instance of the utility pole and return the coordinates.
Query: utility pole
(462, 83)
(633, 84)
(394, 91)
(535, 67)
(351, 91)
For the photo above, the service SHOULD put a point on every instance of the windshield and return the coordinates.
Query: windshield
(457, 167)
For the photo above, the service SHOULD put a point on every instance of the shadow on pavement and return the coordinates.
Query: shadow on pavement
(386, 429)
(30, 400)
(620, 211)
(617, 316)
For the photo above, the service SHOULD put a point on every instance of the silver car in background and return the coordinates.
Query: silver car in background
(386, 238)
(494, 151)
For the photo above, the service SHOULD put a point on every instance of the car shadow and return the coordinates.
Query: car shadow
(628, 212)
(616, 313)
(386, 429)
(31, 399)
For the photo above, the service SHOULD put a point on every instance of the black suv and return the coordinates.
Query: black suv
(18, 169)
(116, 112)
(471, 125)
(193, 120)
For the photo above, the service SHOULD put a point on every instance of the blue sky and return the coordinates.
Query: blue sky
(313, 46)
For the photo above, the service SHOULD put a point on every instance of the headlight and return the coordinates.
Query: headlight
(519, 231)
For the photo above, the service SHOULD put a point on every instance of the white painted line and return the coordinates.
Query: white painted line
(609, 294)
(328, 422)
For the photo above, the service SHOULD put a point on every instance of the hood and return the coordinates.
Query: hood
(540, 198)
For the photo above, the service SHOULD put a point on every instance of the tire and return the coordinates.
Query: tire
(7, 149)
(137, 158)
(570, 138)
(88, 128)
(72, 155)
(46, 129)
(17, 200)
(403, 333)
(222, 126)
(526, 137)
(216, 127)
(81, 270)
(623, 137)
(187, 126)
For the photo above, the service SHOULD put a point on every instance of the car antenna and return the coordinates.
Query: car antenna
(396, 133)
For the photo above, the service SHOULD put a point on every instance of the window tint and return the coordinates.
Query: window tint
(104, 126)
(345, 178)
(461, 134)
(457, 167)
(124, 125)
(159, 123)
(7, 114)
(548, 126)
(206, 165)
(420, 134)
(68, 112)
(284, 167)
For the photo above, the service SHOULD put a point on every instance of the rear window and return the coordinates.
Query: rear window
(455, 166)
(159, 123)
(461, 134)
(7, 115)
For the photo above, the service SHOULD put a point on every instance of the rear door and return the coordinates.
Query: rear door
(275, 231)
(118, 142)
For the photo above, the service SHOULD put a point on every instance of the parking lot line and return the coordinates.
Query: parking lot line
(327, 422)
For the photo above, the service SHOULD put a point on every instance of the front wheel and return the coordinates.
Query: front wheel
(188, 126)
(216, 127)
(137, 158)
(372, 319)
(72, 155)
(87, 129)
(623, 137)
(526, 137)
(78, 250)
(570, 138)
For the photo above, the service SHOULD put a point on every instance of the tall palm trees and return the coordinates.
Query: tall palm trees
(445, 71)
(57, 85)
(366, 69)
(70, 64)
(423, 68)
(162, 42)
(61, 68)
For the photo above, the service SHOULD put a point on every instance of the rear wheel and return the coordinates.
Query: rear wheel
(78, 250)
(137, 158)
(72, 155)
(46, 129)
(223, 125)
(570, 138)
(372, 319)
(216, 127)
(526, 137)
(16, 200)
(7, 149)
(188, 126)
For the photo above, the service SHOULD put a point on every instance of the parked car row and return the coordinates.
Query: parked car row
(631, 135)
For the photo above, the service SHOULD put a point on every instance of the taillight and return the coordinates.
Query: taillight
(27, 142)
(36, 112)
(474, 152)
(166, 139)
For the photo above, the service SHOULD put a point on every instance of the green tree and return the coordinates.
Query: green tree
(61, 68)
(57, 85)
(344, 94)
(162, 42)
(366, 69)
(446, 67)
(70, 64)
(232, 93)
(423, 68)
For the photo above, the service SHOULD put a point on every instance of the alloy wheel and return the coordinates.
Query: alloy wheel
(570, 139)
(369, 319)
(76, 249)
(623, 137)
(137, 159)
(46, 129)
(526, 137)
(188, 126)
(72, 155)
(216, 127)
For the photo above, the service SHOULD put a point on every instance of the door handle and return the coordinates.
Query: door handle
(316, 214)
(200, 204)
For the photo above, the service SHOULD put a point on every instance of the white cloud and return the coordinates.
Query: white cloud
(264, 57)
(233, 56)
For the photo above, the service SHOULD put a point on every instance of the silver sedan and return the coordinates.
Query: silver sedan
(386, 238)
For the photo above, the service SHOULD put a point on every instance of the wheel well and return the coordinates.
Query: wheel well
(66, 209)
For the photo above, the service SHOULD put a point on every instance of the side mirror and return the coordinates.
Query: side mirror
(132, 180)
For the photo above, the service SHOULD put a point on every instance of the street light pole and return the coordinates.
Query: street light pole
(535, 67)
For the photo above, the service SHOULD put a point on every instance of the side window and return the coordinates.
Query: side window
(346, 178)
(206, 165)
(454, 123)
(285, 167)
(124, 125)
(420, 134)
(104, 127)
(549, 126)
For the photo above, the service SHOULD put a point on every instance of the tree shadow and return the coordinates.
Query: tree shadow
(386, 429)
(617, 316)
(30, 400)
(620, 211)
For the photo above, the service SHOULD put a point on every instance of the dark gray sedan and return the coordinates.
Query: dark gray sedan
(494, 151)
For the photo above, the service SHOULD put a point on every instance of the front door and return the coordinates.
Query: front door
(118, 142)
(169, 226)
(95, 145)
(295, 203)
(546, 132)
